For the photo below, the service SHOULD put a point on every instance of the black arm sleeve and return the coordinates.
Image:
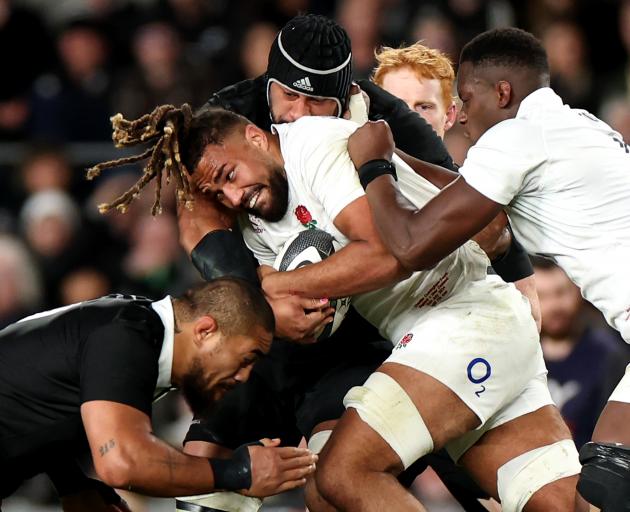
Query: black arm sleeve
(514, 264)
(119, 362)
(247, 98)
(412, 133)
(223, 253)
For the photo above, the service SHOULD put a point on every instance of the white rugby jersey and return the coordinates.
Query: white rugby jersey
(564, 176)
(322, 182)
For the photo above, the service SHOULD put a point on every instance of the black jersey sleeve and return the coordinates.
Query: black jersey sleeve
(412, 133)
(247, 98)
(119, 361)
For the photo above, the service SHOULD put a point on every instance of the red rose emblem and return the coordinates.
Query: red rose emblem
(404, 341)
(303, 215)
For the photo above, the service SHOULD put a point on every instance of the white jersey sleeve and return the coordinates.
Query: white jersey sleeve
(506, 161)
(317, 148)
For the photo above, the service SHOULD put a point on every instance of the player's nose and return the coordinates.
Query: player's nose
(234, 195)
(243, 374)
(299, 108)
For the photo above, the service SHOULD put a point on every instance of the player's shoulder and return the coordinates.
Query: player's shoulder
(132, 312)
(514, 135)
(312, 131)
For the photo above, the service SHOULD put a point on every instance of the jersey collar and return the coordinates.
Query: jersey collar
(164, 308)
(542, 98)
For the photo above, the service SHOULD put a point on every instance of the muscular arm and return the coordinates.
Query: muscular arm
(127, 455)
(363, 265)
(419, 238)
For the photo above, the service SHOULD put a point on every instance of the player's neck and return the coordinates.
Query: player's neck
(274, 148)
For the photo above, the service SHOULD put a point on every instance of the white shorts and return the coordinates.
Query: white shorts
(483, 344)
(533, 397)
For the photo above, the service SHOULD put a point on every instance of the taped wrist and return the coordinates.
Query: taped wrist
(514, 264)
(235, 473)
(222, 253)
(371, 170)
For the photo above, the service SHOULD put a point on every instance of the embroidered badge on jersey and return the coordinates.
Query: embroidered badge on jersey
(404, 341)
(305, 217)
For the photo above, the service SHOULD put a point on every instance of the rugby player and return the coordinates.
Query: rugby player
(84, 376)
(563, 176)
(467, 372)
(423, 78)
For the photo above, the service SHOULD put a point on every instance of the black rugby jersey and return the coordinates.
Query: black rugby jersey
(52, 362)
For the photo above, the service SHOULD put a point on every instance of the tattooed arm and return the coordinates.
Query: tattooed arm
(127, 455)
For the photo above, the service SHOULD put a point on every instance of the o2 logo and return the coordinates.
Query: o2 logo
(479, 371)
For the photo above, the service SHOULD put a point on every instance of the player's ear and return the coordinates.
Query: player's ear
(504, 93)
(203, 327)
(256, 137)
(451, 116)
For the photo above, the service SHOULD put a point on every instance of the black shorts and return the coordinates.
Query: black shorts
(295, 388)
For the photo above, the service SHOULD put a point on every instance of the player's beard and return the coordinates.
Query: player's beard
(199, 398)
(278, 196)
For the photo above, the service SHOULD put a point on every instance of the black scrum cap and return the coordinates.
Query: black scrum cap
(312, 55)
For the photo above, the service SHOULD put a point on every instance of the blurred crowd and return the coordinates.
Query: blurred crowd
(71, 64)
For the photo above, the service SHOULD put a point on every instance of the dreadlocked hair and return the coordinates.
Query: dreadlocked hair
(178, 139)
(163, 127)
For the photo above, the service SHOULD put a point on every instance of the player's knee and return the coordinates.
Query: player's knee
(313, 499)
(519, 479)
(334, 473)
(605, 477)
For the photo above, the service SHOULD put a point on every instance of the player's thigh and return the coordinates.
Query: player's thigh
(538, 443)
(443, 412)
(389, 431)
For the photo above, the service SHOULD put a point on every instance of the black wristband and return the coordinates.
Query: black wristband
(373, 169)
(235, 473)
(515, 263)
(223, 253)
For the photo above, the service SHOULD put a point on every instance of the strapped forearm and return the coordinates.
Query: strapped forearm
(223, 253)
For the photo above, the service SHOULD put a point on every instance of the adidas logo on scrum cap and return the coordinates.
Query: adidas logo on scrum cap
(303, 83)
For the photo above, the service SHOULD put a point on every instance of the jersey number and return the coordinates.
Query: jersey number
(616, 138)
